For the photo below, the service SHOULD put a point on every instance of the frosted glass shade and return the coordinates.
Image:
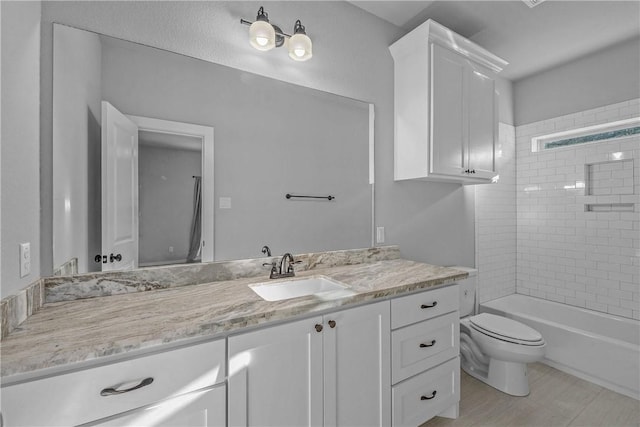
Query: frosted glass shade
(262, 36)
(300, 47)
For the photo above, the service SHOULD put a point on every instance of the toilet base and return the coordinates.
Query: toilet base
(508, 377)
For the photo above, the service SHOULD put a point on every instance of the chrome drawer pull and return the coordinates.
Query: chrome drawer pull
(429, 397)
(423, 345)
(423, 306)
(114, 390)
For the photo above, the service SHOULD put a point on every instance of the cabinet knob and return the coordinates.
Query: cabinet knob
(423, 345)
(423, 306)
(116, 257)
(332, 324)
(318, 328)
(433, 394)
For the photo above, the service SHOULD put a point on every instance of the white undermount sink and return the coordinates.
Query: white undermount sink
(320, 286)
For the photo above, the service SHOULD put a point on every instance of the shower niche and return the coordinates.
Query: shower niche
(609, 186)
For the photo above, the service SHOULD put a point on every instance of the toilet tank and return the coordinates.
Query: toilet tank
(467, 291)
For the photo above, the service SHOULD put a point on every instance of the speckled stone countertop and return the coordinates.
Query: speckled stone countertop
(68, 332)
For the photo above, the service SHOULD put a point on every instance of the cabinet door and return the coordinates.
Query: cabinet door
(448, 115)
(483, 122)
(203, 408)
(357, 383)
(275, 376)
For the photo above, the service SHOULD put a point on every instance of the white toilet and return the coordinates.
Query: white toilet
(495, 349)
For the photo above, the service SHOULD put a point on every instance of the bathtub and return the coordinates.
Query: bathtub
(598, 347)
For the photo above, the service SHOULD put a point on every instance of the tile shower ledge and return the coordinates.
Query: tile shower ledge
(71, 334)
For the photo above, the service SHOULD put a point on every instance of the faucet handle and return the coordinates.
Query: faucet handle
(290, 266)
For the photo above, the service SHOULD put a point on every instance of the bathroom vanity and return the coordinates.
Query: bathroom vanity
(387, 354)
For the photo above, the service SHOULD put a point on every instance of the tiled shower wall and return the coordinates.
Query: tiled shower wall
(495, 223)
(578, 215)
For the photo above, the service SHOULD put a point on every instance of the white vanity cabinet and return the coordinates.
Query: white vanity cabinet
(275, 376)
(331, 370)
(425, 345)
(357, 377)
(202, 408)
(184, 386)
(446, 107)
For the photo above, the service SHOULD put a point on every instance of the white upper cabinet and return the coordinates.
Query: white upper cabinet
(446, 107)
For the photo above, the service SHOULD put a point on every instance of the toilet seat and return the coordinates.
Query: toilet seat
(505, 329)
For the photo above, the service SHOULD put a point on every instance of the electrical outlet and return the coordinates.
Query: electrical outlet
(25, 259)
(379, 234)
(225, 203)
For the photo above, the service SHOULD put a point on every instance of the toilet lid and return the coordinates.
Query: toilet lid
(506, 329)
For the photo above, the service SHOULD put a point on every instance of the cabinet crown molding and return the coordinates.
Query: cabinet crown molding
(434, 32)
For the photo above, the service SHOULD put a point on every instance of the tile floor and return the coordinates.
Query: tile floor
(556, 399)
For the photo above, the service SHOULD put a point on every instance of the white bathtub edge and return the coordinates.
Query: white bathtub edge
(563, 358)
(597, 381)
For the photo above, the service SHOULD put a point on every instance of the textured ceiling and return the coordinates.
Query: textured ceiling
(531, 39)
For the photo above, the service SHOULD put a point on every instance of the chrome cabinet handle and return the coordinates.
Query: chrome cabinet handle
(110, 391)
(423, 345)
(423, 306)
(433, 394)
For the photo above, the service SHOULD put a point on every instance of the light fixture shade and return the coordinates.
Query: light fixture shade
(262, 36)
(300, 47)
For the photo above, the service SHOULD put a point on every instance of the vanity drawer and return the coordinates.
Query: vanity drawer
(425, 305)
(84, 396)
(423, 345)
(424, 396)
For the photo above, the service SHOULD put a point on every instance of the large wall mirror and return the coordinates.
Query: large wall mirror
(204, 173)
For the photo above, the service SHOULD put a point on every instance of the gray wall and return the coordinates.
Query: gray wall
(166, 201)
(76, 150)
(431, 222)
(602, 78)
(20, 85)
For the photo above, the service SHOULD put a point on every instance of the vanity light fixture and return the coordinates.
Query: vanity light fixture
(264, 36)
(299, 43)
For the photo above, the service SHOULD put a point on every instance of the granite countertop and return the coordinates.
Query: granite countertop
(64, 333)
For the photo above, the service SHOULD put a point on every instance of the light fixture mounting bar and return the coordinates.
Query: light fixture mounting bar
(277, 29)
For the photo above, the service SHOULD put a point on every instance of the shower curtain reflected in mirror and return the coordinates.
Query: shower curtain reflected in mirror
(196, 223)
